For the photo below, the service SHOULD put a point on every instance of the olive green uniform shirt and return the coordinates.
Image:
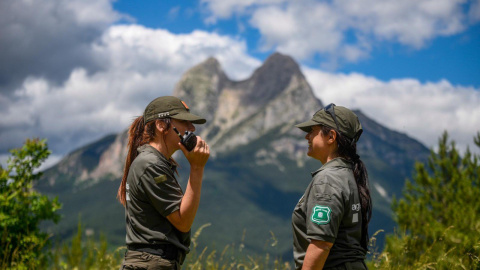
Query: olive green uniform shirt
(330, 211)
(152, 194)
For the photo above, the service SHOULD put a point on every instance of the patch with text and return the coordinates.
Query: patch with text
(321, 215)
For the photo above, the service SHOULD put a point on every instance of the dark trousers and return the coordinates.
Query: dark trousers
(358, 265)
(138, 260)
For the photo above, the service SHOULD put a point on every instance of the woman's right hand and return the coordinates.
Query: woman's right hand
(199, 155)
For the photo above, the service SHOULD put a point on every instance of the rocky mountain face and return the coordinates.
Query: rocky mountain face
(238, 112)
(258, 168)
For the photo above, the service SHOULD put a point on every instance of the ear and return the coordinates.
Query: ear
(161, 126)
(332, 136)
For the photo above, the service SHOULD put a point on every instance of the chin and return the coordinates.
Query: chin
(311, 154)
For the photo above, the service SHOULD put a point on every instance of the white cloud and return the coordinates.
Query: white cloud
(134, 47)
(421, 110)
(49, 38)
(301, 29)
(225, 8)
(347, 29)
(410, 22)
(138, 64)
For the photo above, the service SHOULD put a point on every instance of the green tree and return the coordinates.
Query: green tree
(22, 209)
(439, 216)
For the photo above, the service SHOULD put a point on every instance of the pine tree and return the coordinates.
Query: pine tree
(439, 214)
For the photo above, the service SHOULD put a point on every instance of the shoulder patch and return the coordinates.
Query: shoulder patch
(160, 179)
(321, 215)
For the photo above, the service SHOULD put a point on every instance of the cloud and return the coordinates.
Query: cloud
(137, 65)
(226, 8)
(421, 110)
(142, 49)
(49, 38)
(346, 30)
(300, 30)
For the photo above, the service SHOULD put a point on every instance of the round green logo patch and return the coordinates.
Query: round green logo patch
(321, 214)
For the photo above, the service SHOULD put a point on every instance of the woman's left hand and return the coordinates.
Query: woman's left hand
(198, 157)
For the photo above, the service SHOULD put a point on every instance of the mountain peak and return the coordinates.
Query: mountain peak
(210, 67)
(279, 62)
(201, 85)
(279, 65)
(273, 77)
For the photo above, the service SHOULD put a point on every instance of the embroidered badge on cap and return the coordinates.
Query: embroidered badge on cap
(321, 215)
(164, 114)
(160, 179)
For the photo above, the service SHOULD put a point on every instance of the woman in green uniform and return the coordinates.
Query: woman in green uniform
(330, 221)
(158, 214)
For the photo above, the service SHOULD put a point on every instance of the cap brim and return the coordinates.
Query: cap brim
(307, 126)
(195, 119)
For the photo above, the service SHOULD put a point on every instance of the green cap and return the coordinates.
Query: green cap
(348, 123)
(172, 107)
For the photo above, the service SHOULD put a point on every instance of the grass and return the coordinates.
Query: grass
(91, 254)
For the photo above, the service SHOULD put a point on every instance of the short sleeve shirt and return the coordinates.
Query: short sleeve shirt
(330, 211)
(152, 194)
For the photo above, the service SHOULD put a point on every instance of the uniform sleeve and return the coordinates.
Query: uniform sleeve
(162, 189)
(325, 210)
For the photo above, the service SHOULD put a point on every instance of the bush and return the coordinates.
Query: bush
(22, 209)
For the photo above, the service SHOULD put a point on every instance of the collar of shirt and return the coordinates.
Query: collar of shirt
(336, 162)
(150, 149)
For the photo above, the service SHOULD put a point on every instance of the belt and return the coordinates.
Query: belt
(166, 251)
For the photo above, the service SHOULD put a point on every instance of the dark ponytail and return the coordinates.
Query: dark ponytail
(138, 135)
(347, 148)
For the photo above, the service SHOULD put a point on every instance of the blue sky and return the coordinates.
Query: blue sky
(454, 57)
(74, 71)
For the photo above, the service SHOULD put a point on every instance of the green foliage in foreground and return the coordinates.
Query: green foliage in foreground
(83, 254)
(90, 254)
(230, 257)
(438, 216)
(22, 209)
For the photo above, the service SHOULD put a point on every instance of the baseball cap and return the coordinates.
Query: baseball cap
(169, 106)
(336, 117)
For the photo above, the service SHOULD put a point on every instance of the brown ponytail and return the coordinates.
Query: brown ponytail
(348, 149)
(135, 140)
(138, 135)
